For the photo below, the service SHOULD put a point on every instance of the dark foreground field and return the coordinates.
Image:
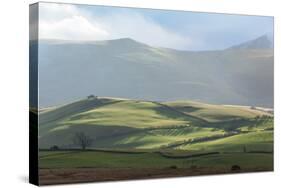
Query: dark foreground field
(94, 166)
(78, 175)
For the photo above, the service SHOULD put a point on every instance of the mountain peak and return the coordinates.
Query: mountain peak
(125, 41)
(262, 42)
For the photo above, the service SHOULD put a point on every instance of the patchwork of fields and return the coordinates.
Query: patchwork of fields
(134, 134)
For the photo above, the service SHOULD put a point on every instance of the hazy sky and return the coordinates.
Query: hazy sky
(171, 29)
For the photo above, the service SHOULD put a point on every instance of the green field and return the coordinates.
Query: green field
(99, 159)
(135, 134)
(251, 142)
(215, 113)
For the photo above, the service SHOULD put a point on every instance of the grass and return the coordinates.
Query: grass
(50, 119)
(253, 141)
(133, 124)
(137, 114)
(157, 135)
(260, 124)
(99, 159)
(215, 113)
(156, 138)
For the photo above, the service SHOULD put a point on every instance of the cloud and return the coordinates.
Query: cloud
(68, 22)
(74, 28)
(138, 27)
(59, 21)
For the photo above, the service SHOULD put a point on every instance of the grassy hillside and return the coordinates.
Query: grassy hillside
(132, 124)
(250, 142)
(215, 113)
(108, 119)
(156, 138)
(136, 114)
(141, 139)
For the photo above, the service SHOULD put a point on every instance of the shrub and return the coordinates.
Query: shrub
(235, 168)
(173, 167)
(54, 147)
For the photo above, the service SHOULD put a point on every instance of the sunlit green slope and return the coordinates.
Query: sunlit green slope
(116, 123)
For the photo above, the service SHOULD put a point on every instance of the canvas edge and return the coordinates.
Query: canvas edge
(33, 94)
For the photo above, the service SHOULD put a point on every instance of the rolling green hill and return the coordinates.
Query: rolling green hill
(115, 123)
(251, 142)
(152, 139)
(215, 113)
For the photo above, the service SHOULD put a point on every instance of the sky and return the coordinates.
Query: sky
(180, 30)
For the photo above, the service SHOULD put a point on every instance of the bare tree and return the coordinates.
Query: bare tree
(82, 140)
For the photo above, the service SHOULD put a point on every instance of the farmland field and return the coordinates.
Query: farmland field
(71, 166)
(102, 159)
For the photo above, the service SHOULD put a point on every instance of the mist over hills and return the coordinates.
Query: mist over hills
(262, 42)
(70, 70)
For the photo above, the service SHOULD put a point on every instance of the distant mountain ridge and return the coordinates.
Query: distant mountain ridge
(69, 70)
(262, 42)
